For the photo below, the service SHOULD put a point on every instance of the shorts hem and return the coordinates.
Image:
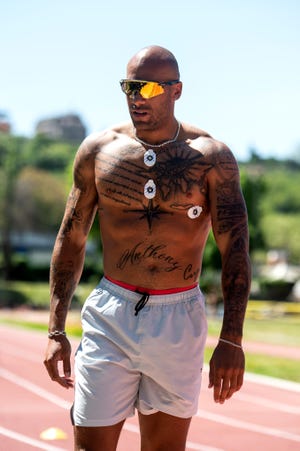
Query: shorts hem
(99, 423)
(168, 412)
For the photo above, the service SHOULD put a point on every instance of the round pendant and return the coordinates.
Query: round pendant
(149, 157)
(194, 212)
(150, 189)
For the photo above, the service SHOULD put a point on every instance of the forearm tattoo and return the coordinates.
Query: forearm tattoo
(63, 285)
(232, 219)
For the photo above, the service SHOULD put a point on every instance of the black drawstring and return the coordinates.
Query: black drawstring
(141, 303)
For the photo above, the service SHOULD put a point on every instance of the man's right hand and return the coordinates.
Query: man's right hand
(59, 349)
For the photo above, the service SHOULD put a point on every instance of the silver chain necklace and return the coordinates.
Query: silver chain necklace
(163, 143)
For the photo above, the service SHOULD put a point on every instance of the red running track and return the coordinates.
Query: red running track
(264, 415)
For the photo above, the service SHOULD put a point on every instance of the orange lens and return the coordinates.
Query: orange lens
(151, 89)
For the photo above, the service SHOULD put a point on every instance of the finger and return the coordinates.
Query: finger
(211, 375)
(240, 380)
(65, 382)
(217, 384)
(52, 368)
(67, 367)
(233, 386)
(224, 390)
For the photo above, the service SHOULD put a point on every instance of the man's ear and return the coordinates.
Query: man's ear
(177, 91)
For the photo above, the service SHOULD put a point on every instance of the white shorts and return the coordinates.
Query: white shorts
(152, 361)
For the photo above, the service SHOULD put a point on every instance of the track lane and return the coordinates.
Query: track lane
(259, 417)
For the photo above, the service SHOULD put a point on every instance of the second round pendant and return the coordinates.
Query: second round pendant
(150, 189)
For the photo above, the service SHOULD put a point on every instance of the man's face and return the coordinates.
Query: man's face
(150, 113)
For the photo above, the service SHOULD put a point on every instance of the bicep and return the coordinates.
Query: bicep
(81, 203)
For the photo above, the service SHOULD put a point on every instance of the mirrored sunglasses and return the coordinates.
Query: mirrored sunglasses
(147, 89)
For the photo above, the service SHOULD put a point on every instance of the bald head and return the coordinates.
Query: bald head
(153, 63)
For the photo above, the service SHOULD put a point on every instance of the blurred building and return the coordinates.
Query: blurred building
(5, 125)
(64, 128)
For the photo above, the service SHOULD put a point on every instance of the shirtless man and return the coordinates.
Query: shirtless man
(158, 186)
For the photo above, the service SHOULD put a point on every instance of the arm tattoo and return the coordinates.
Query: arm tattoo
(236, 285)
(232, 219)
(63, 285)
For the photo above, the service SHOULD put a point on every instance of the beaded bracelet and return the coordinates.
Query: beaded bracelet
(230, 343)
(56, 333)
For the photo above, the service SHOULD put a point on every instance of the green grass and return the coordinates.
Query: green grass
(282, 331)
(278, 331)
(279, 367)
(36, 294)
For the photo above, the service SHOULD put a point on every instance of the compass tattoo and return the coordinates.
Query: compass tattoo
(150, 212)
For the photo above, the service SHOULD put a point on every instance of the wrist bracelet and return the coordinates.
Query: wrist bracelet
(56, 333)
(230, 343)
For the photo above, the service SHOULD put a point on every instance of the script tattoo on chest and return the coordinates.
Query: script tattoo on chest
(145, 253)
(142, 252)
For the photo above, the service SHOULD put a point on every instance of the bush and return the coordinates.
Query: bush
(277, 290)
(11, 298)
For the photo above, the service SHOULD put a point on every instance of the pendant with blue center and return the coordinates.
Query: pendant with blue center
(150, 157)
(150, 189)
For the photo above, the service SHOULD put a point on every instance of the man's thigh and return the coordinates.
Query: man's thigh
(160, 431)
(97, 438)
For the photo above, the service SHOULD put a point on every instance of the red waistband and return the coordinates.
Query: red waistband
(149, 290)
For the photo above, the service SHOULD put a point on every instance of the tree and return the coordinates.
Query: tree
(254, 187)
(39, 201)
(11, 161)
(45, 153)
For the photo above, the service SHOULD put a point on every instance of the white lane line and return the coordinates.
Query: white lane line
(17, 352)
(39, 391)
(66, 405)
(248, 426)
(269, 381)
(273, 382)
(213, 417)
(282, 407)
(24, 383)
(29, 441)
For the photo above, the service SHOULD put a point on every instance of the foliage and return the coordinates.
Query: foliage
(45, 153)
(282, 231)
(279, 204)
(253, 187)
(11, 160)
(282, 191)
(39, 201)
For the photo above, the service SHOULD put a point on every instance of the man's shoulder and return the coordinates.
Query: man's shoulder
(95, 141)
(202, 140)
